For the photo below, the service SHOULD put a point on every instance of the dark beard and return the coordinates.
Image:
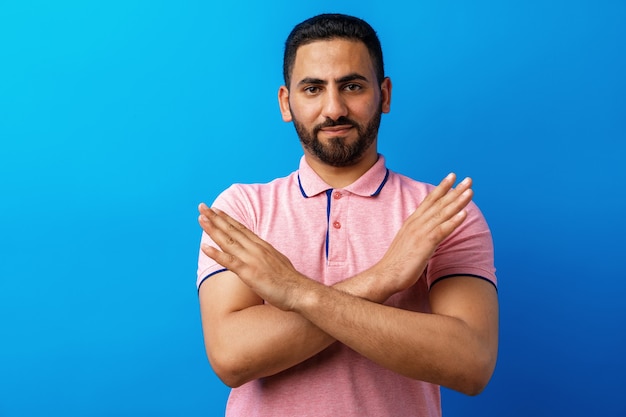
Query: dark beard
(337, 153)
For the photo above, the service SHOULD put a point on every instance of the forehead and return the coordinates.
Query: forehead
(328, 59)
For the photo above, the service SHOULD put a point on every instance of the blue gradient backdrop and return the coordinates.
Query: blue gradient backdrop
(118, 117)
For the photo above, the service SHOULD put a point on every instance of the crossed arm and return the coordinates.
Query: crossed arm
(245, 338)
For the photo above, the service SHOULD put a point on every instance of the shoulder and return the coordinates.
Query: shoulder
(244, 201)
(398, 179)
(255, 191)
(407, 187)
(420, 189)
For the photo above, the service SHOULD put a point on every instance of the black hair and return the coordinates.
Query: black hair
(332, 26)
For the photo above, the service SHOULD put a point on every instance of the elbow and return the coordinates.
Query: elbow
(471, 385)
(231, 371)
(232, 380)
(476, 377)
(232, 383)
(474, 386)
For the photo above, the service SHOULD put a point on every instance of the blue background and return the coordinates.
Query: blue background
(118, 117)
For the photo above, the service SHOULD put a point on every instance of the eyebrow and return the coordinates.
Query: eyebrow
(344, 79)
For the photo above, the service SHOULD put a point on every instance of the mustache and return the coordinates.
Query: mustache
(341, 121)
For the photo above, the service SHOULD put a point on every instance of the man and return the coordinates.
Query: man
(345, 289)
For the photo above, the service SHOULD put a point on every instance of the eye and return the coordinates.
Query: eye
(311, 90)
(352, 87)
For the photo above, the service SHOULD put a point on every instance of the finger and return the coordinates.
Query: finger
(203, 217)
(216, 228)
(458, 204)
(239, 227)
(205, 214)
(454, 192)
(227, 260)
(445, 220)
(463, 187)
(440, 190)
(229, 220)
(232, 237)
(450, 205)
(441, 218)
(211, 212)
(446, 228)
(219, 220)
(454, 196)
(440, 196)
(447, 181)
(204, 209)
(234, 250)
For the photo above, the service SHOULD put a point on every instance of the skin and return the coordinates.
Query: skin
(330, 80)
(246, 339)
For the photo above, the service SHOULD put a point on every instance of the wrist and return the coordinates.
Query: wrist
(380, 283)
(370, 284)
(309, 298)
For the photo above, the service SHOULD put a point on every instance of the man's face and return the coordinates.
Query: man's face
(335, 101)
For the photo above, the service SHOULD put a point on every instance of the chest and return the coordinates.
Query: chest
(333, 235)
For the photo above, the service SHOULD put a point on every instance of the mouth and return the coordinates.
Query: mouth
(339, 130)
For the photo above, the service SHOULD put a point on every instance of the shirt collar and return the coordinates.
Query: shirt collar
(368, 185)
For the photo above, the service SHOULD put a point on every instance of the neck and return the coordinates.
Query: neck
(341, 177)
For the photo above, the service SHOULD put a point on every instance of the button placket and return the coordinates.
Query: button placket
(337, 242)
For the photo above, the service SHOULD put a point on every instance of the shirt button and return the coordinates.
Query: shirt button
(337, 225)
(337, 195)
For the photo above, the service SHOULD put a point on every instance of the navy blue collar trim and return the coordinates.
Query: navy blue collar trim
(382, 184)
(301, 188)
(374, 194)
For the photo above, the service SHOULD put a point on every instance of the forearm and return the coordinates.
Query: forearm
(262, 340)
(441, 349)
(256, 341)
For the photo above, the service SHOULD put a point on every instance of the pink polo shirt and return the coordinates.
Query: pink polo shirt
(329, 235)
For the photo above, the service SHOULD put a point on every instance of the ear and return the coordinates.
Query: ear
(283, 103)
(385, 89)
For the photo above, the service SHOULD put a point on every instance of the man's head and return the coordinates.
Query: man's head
(335, 89)
(332, 26)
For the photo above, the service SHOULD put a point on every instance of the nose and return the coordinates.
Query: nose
(334, 105)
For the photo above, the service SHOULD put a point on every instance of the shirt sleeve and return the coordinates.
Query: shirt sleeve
(467, 251)
(232, 202)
